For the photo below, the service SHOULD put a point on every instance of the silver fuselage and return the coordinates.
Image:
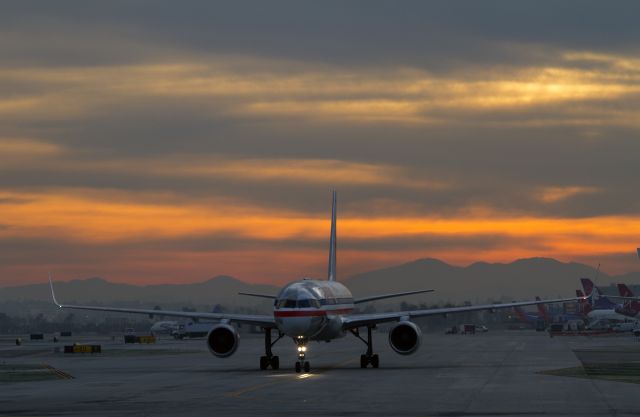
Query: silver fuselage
(312, 309)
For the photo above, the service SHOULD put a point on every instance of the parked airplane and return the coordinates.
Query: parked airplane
(601, 312)
(631, 306)
(531, 318)
(318, 310)
(164, 327)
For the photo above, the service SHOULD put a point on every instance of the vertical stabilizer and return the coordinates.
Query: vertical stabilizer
(542, 311)
(332, 241)
(624, 291)
(588, 286)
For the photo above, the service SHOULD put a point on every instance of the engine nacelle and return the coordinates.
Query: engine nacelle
(223, 340)
(405, 337)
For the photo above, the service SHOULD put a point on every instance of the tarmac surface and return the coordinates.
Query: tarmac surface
(489, 374)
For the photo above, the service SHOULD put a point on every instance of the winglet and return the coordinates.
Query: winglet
(53, 294)
(332, 241)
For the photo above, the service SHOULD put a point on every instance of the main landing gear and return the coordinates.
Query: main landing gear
(369, 357)
(269, 359)
(302, 364)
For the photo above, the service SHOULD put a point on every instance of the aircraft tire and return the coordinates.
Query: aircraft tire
(307, 367)
(275, 362)
(375, 361)
(298, 367)
(264, 362)
(363, 361)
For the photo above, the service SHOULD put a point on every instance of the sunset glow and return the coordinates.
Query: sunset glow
(144, 155)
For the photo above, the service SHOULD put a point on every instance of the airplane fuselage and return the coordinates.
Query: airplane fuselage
(312, 309)
(609, 314)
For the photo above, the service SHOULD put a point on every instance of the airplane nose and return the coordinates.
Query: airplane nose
(302, 326)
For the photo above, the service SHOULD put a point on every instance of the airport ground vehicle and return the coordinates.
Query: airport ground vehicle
(467, 329)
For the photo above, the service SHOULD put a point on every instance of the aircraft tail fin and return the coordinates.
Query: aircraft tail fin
(624, 291)
(522, 316)
(631, 306)
(542, 311)
(587, 285)
(332, 241)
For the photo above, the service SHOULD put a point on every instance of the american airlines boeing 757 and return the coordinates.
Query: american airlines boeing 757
(316, 310)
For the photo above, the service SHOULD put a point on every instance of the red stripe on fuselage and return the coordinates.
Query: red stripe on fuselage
(310, 313)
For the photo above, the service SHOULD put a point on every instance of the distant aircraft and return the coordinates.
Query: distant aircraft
(547, 318)
(631, 306)
(530, 318)
(319, 310)
(164, 327)
(601, 311)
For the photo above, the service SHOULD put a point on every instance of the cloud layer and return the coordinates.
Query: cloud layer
(174, 142)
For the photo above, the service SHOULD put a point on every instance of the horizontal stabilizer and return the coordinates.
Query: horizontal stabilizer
(382, 297)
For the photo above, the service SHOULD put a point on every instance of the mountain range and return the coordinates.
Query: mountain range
(478, 282)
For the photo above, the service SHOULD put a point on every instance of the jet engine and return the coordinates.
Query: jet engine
(405, 337)
(222, 340)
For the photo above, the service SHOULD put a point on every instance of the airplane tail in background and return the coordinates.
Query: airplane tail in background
(596, 298)
(630, 307)
(624, 291)
(332, 242)
(587, 285)
(542, 311)
(522, 316)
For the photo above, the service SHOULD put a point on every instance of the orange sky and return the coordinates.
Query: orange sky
(272, 245)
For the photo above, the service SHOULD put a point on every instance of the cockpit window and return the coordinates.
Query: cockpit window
(284, 303)
(290, 303)
(306, 303)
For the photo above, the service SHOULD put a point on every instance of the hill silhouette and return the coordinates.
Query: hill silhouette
(523, 278)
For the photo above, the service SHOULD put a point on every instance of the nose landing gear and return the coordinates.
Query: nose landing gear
(302, 364)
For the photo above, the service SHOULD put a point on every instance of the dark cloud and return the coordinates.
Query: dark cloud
(411, 91)
(436, 35)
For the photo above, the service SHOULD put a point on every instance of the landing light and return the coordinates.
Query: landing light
(302, 348)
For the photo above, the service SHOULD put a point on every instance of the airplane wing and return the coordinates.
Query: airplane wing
(257, 320)
(358, 320)
(384, 296)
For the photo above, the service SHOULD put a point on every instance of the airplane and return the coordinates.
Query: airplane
(599, 301)
(601, 311)
(315, 310)
(164, 327)
(626, 294)
(544, 317)
(631, 306)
